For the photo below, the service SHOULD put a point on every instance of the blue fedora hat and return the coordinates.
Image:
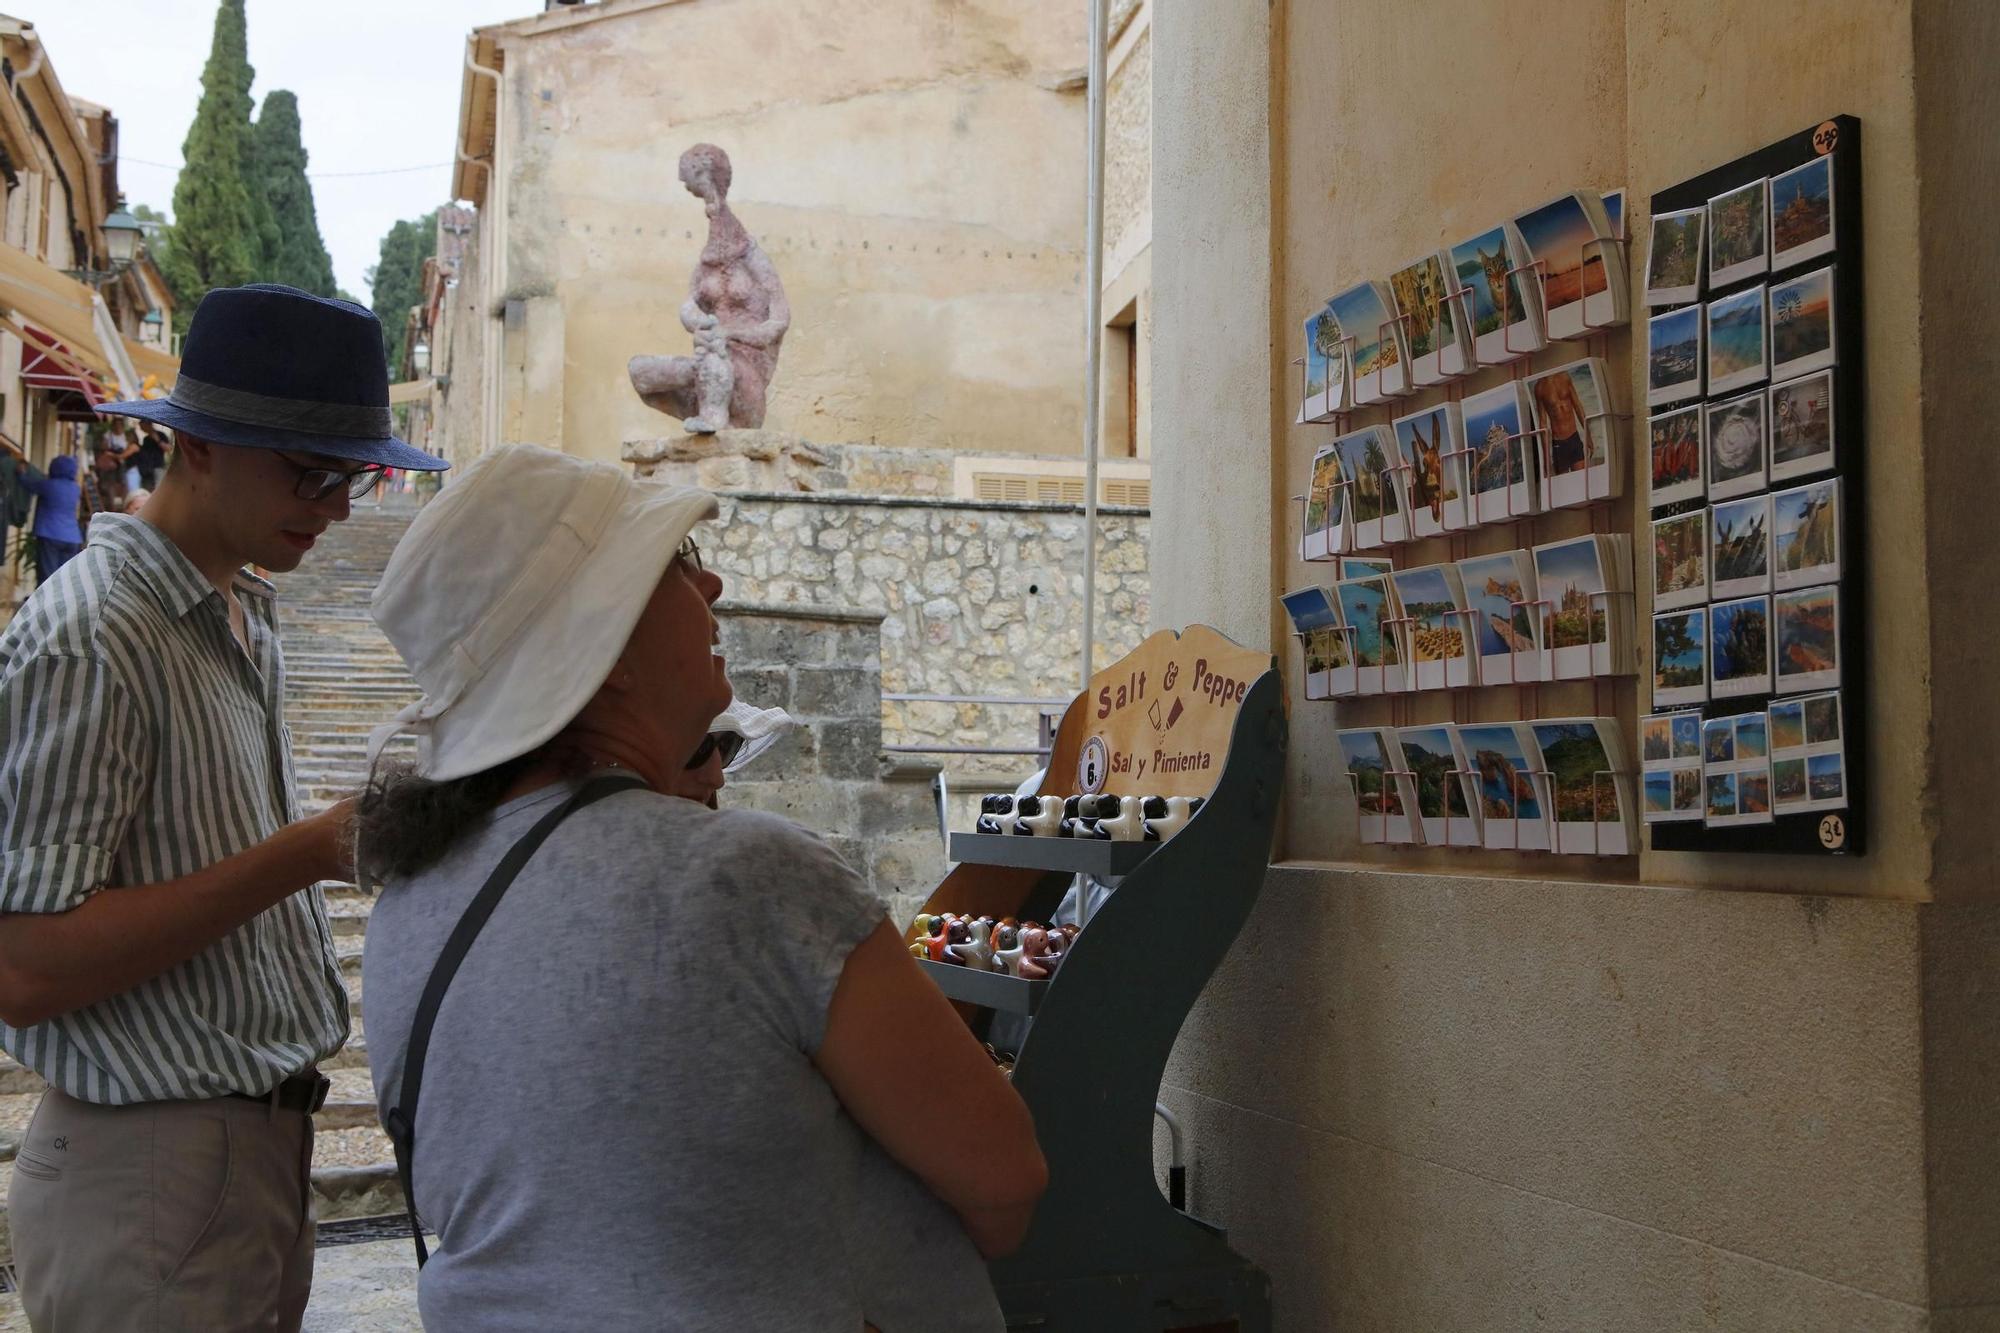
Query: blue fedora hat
(272, 367)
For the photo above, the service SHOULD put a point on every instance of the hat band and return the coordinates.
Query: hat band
(294, 414)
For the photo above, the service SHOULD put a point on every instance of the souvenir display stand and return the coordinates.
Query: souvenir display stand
(1182, 715)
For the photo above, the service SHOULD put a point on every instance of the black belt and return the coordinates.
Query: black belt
(301, 1092)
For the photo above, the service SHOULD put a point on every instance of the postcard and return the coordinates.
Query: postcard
(1384, 814)
(1446, 802)
(1613, 204)
(1326, 507)
(1317, 622)
(1680, 560)
(1575, 600)
(1500, 594)
(1576, 433)
(1378, 368)
(1431, 445)
(1570, 256)
(1430, 321)
(1587, 783)
(1736, 770)
(1802, 324)
(1806, 534)
(1739, 648)
(1370, 616)
(1677, 446)
(1673, 356)
(1435, 619)
(1326, 368)
(1739, 561)
(1680, 657)
(1365, 566)
(1497, 430)
(1808, 760)
(1736, 446)
(1505, 322)
(1805, 626)
(1673, 262)
(1670, 755)
(1737, 347)
(1738, 239)
(1374, 472)
(1510, 811)
(1802, 427)
(1802, 213)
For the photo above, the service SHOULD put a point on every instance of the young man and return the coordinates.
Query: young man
(165, 958)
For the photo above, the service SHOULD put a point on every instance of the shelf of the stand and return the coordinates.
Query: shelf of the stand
(994, 990)
(1081, 856)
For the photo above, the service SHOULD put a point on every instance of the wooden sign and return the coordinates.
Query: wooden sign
(1157, 723)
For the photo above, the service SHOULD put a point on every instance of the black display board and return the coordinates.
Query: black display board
(1820, 833)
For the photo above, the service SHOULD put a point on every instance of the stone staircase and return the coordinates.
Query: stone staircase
(342, 678)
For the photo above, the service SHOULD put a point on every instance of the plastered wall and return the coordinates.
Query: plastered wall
(910, 167)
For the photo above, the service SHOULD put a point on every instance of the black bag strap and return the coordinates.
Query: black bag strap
(401, 1122)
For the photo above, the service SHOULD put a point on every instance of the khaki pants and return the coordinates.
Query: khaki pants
(163, 1217)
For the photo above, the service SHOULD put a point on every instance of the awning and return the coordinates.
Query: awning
(46, 298)
(152, 361)
(409, 391)
(49, 366)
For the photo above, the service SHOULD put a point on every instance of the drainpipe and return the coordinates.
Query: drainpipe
(493, 74)
(29, 37)
(1093, 364)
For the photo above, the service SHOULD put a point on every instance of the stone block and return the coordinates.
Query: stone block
(851, 850)
(756, 640)
(891, 809)
(837, 692)
(793, 754)
(851, 749)
(764, 686)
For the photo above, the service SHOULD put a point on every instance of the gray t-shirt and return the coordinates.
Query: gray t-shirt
(621, 1125)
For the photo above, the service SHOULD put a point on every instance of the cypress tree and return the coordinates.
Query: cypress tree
(300, 259)
(397, 280)
(216, 241)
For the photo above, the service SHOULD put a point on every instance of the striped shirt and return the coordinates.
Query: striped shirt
(139, 743)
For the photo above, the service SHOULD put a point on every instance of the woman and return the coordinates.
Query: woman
(58, 535)
(655, 1078)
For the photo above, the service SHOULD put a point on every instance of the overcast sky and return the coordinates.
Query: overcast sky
(377, 82)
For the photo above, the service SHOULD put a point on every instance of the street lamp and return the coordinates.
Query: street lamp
(121, 237)
(420, 358)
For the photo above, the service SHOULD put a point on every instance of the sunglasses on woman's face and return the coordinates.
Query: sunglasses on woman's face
(730, 743)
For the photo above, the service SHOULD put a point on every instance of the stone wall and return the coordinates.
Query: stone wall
(974, 599)
(823, 666)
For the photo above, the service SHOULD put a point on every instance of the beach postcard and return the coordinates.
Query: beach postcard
(1802, 213)
(1806, 626)
(1738, 238)
(1317, 622)
(1435, 616)
(1500, 592)
(1737, 346)
(1369, 613)
(1740, 547)
(1567, 250)
(1673, 261)
(1737, 446)
(1680, 560)
(1680, 658)
(1431, 446)
(1806, 534)
(1802, 427)
(1673, 356)
(1802, 324)
(1505, 322)
(1511, 811)
(1378, 367)
(1326, 367)
(1326, 508)
(1497, 431)
(1676, 447)
(1739, 656)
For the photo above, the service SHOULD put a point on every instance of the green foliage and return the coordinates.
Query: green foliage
(397, 279)
(300, 257)
(218, 239)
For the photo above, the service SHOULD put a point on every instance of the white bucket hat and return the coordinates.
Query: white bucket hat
(759, 728)
(512, 595)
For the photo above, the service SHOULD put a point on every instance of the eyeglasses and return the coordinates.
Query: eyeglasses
(689, 553)
(730, 743)
(316, 483)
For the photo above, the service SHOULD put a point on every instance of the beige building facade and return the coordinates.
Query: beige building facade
(913, 169)
(1671, 1091)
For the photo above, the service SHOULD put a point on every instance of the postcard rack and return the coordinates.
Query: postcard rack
(1107, 1252)
(1815, 832)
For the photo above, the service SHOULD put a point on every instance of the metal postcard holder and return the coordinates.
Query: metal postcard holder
(1388, 775)
(1540, 269)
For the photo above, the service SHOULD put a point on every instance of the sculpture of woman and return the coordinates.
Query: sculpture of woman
(736, 310)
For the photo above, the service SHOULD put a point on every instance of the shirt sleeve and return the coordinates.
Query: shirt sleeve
(71, 778)
(810, 911)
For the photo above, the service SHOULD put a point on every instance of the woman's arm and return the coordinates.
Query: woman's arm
(910, 1073)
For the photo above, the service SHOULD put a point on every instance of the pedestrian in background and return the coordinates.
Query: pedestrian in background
(58, 536)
